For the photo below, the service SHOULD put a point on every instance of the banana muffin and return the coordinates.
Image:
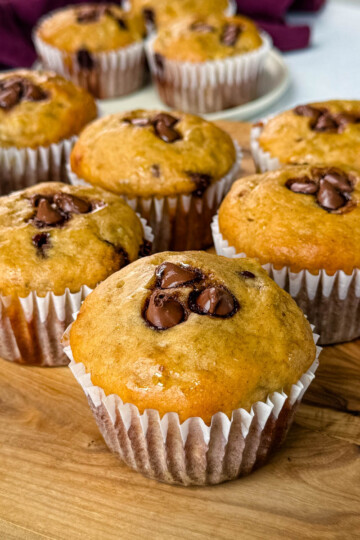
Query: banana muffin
(197, 336)
(304, 223)
(99, 46)
(57, 242)
(173, 168)
(203, 64)
(323, 132)
(40, 113)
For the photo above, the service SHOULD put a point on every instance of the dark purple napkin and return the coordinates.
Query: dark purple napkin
(270, 16)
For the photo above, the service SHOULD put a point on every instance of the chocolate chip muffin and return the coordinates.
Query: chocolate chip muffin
(98, 46)
(57, 242)
(173, 168)
(303, 222)
(197, 338)
(203, 64)
(40, 113)
(324, 132)
(161, 13)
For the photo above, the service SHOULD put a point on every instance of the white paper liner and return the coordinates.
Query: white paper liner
(331, 302)
(115, 73)
(208, 86)
(264, 161)
(31, 327)
(192, 453)
(24, 167)
(182, 222)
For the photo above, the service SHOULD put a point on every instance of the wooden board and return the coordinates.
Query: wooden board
(58, 480)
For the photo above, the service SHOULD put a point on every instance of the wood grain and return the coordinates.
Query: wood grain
(58, 480)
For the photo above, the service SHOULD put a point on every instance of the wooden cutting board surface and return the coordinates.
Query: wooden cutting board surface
(58, 480)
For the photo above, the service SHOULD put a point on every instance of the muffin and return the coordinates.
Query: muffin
(160, 13)
(206, 64)
(324, 132)
(56, 243)
(40, 113)
(303, 224)
(173, 168)
(197, 364)
(98, 46)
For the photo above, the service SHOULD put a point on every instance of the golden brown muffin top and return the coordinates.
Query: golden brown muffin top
(163, 12)
(38, 108)
(54, 236)
(322, 132)
(94, 27)
(150, 153)
(198, 39)
(192, 333)
(303, 217)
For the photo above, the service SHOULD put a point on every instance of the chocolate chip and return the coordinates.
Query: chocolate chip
(155, 170)
(145, 248)
(307, 110)
(201, 27)
(71, 204)
(121, 23)
(302, 185)
(164, 311)
(165, 133)
(41, 242)
(31, 92)
(343, 119)
(215, 301)
(247, 274)
(167, 119)
(173, 275)
(10, 93)
(47, 215)
(325, 122)
(89, 14)
(149, 16)
(84, 59)
(328, 197)
(201, 180)
(339, 181)
(230, 34)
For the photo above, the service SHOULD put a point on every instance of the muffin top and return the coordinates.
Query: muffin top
(198, 39)
(38, 108)
(54, 236)
(323, 132)
(192, 333)
(150, 153)
(94, 27)
(303, 217)
(163, 12)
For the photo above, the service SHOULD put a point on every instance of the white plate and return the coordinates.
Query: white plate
(272, 85)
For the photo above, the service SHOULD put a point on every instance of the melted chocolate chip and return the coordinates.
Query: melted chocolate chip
(47, 215)
(326, 122)
(145, 248)
(31, 92)
(230, 34)
(307, 110)
(202, 182)
(247, 274)
(71, 204)
(166, 133)
(214, 301)
(339, 181)
(167, 119)
(89, 14)
(201, 27)
(323, 121)
(329, 197)
(302, 185)
(42, 242)
(17, 89)
(155, 170)
(173, 275)
(164, 311)
(84, 59)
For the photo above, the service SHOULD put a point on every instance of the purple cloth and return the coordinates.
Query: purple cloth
(270, 16)
(18, 17)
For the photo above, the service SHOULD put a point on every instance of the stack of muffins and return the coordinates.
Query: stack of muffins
(193, 363)
(199, 63)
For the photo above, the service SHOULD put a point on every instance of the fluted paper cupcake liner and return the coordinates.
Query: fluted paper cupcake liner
(31, 327)
(181, 222)
(114, 73)
(264, 161)
(331, 302)
(208, 86)
(191, 452)
(24, 167)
